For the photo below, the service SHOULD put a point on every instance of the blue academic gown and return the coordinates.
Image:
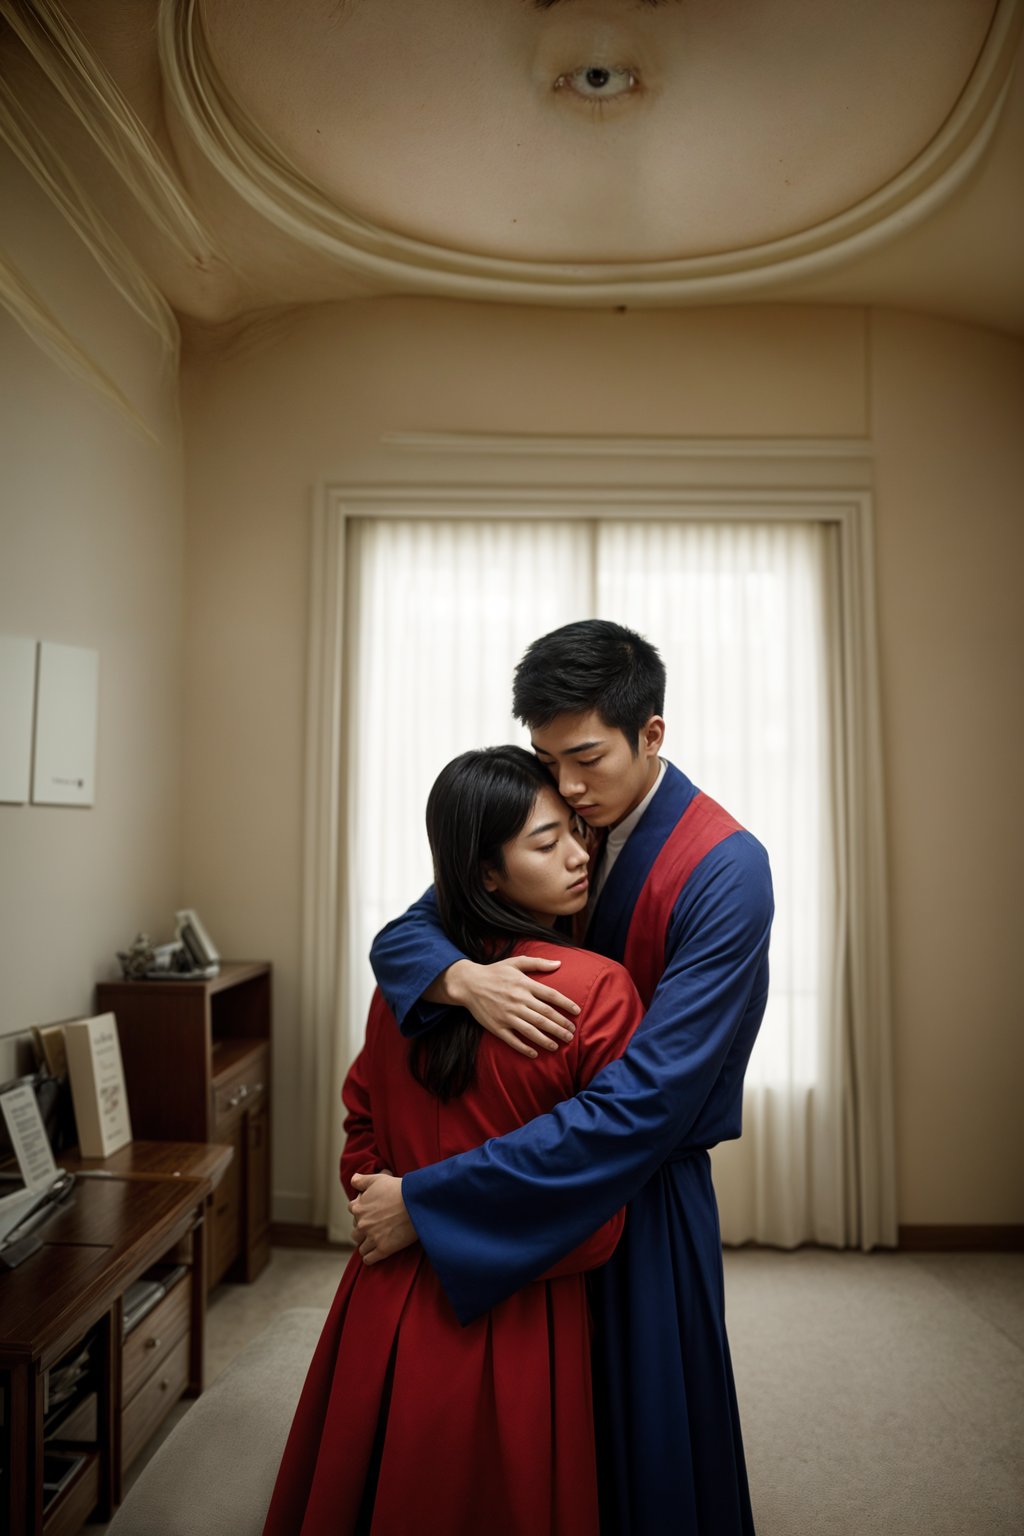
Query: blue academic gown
(496, 1217)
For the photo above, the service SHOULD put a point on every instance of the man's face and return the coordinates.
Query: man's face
(595, 767)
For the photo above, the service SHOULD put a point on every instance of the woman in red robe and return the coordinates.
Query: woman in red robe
(407, 1420)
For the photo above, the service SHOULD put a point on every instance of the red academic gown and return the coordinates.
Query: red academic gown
(408, 1420)
(687, 907)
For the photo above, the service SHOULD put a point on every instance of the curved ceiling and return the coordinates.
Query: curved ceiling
(591, 151)
(600, 131)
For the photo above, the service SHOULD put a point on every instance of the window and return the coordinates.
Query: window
(425, 594)
(439, 612)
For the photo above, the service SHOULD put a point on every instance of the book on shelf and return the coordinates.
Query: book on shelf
(60, 1465)
(139, 1300)
(141, 1297)
(64, 1381)
(97, 1085)
(48, 1043)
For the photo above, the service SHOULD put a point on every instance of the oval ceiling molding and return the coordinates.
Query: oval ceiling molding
(402, 263)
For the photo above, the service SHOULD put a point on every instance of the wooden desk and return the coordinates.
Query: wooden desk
(117, 1224)
(157, 1160)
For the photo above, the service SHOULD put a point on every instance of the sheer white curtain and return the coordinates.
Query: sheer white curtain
(746, 616)
(438, 614)
(742, 617)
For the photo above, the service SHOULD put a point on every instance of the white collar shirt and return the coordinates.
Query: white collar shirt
(616, 839)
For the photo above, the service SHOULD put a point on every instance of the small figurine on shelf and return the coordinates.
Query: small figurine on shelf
(156, 962)
(135, 962)
(189, 955)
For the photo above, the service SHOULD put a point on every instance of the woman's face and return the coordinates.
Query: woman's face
(545, 864)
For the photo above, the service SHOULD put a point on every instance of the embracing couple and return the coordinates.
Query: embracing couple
(531, 1338)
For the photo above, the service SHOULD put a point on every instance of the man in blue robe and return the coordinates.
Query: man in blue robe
(682, 896)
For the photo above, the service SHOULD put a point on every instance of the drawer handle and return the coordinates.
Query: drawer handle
(153, 1342)
(243, 1093)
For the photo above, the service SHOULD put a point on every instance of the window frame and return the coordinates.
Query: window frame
(453, 475)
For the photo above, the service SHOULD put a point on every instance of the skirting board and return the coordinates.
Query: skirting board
(913, 1239)
(962, 1239)
(294, 1234)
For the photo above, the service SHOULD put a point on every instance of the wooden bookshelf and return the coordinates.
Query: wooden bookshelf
(197, 1058)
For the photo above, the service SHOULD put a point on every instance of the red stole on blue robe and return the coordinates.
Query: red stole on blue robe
(702, 826)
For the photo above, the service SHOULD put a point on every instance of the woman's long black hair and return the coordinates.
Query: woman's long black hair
(479, 802)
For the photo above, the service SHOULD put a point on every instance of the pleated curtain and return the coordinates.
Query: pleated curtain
(743, 618)
(746, 616)
(437, 615)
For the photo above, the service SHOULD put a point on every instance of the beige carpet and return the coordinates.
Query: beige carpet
(879, 1394)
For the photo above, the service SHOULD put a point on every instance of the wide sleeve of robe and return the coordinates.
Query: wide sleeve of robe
(407, 956)
(497, 1217)
(613, 1012)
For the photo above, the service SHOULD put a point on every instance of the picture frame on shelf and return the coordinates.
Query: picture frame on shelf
(198, 944)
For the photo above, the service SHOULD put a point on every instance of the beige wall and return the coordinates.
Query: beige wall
(947, 417)
(307, 399)
(91, 533)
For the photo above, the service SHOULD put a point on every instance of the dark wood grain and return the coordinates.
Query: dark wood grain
(109, 1232)
(165, 1047)
(48, 1282)
(239, 1061)
(158, 1160)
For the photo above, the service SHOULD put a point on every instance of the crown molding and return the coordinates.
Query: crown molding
(549, 445)
(542, 468)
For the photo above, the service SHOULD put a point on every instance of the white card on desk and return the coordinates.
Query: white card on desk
(28, 1138)
(35, 1160)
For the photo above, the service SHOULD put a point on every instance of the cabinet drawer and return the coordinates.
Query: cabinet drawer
(65, 1514)
(225, 1243)
(153, 1401)
(257, 1172)
(245, 1088)
(224, 1228)
(150, 1343)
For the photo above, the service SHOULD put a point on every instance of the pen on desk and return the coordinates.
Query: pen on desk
(38, 1214)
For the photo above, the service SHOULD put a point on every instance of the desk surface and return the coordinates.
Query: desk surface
(108, 1232)
(157, 1160)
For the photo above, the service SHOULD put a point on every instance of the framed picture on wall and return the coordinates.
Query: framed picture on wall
(65, 743)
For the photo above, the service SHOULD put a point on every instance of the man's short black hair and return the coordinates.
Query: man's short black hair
(593, 664)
